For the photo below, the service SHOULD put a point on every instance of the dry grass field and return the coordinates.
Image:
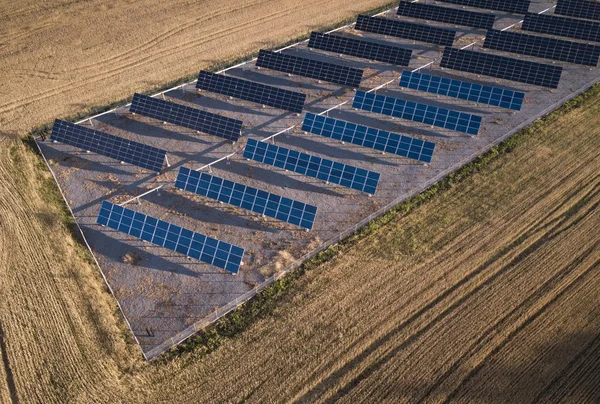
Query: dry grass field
(486, 293)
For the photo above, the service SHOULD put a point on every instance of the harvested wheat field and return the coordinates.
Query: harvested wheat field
(487, 292)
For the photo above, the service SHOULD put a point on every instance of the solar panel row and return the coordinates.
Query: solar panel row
(417, 112)
(462, 89)
(510, 6)
(562, 26)
(108, 145)
(548, 48)
(502, 67)
(250, 91)
(164, 234)
(312, 166)
(252, 199)
(447, 15)
(359, 48)
(314, 69)
(372, 138)
(578, 9)
(407, 30)
(187, 117)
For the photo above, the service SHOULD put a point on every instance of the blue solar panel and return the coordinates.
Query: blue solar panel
(108, 145)
(414, 111)
(195, 245)
(369, 137)
(253, 199)
(312, 166)
(464, 90)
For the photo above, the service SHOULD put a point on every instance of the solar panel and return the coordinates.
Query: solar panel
(578, 9)
(372, 138)
(510, 6)
(502, 67)
(164, 234)
(359, 48)
(312, 166)
(253, 199)
(177, 114)
(314, 69)
(250, 91)
(407, 30)
(417, 112)
(111, 146)
(464, 90)
(447, 15)
(562, 26)
(548, 48)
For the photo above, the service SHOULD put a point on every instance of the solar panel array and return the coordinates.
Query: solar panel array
(187, 117)
(164, 234)
(549, 48)
(407, 30)
(417, 112)
(464, 90)
(108, 145)
(312, 166)
(251, 91)
(372, 138)
(359, 48)
(502, 67)
(510, 6)
(314, 69)
(252, 199)
(447, 15)
(578, 9)
(562, 26)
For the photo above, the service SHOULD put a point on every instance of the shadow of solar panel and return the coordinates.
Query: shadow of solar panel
(252, 199)
(372, 138)
(578, 9)
(464, 90)
(417, 112)
(314, 69)
(407, 30)
(250, 91)
(115, 147)
(164, 234)
(359, 48)
(510, 6)
(548, 48)
(562, 26)
(312, 166)
(502, 67)
(447, 15)
(192, 118)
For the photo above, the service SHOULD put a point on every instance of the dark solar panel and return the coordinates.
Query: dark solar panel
(502, 67)
(111, 146)
(407, 30)
(464, 90)
(562, 26)
(250, 91)
(549, 48)
(510, 6)
(578, 9)
(417, 112)
(187, 117)
(447, 15)
(312, 166)
(359, 48)
(164, 234)
(252, 199)
(372, 138)
(314, 69)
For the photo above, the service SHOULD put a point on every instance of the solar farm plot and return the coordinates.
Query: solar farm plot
(447, 15)
(168, 295)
